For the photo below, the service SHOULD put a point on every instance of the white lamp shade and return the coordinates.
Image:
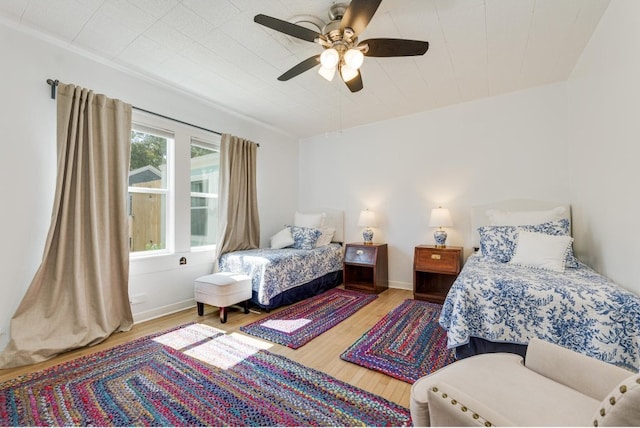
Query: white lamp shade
(353, 58)
(440, 217)
(367, 219)
(329, 58)
(327, 73)
(347, 72)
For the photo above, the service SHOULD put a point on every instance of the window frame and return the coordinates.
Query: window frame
(213, 146)
(178, 179)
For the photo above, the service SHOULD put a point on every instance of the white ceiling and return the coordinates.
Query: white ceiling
(212, 48)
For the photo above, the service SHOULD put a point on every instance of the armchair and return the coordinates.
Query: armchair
(554, 386)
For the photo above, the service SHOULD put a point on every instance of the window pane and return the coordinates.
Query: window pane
(148, 166)
(205, 162)
(147, 222)
(204, 215)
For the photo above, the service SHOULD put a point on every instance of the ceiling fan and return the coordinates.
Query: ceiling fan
(342, 52)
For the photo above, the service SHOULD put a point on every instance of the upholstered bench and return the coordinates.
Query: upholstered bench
(223, 289)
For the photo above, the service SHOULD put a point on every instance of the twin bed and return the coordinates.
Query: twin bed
(281, 276)
(524, 282)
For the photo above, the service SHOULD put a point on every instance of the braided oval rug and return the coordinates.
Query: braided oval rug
(194, 375)
(406, 344)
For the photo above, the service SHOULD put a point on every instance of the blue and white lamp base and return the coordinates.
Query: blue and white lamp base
(367, 235)
(441, 237)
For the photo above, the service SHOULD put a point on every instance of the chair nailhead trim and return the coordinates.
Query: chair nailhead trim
(595, 423)
(463, 408)
(612, 400)
(623, 388)
(602, 412)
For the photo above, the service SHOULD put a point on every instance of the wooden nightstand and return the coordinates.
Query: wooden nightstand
(365, 267)
(434, 271)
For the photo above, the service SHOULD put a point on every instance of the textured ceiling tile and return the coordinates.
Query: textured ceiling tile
(187, 22)
(215, 50)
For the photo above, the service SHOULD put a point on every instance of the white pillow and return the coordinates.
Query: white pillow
(282, 239)
(519, 218)
(315, 220)
(326, 237)
(541, 251)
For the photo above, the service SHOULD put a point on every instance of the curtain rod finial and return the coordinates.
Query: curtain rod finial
(54, 85)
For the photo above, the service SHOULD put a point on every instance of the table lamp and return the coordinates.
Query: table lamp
(440, 217)
(368, 220)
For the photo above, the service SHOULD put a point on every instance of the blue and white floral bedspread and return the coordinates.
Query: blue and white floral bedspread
(578, 309)
(274, 271)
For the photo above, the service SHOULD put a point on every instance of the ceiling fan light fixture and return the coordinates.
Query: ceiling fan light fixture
(329, 58)
(347, 72)
(327, 72)
(353, 58)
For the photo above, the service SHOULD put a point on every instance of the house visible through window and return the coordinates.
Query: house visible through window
(148, 189)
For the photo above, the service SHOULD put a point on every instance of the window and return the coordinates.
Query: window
(148, 189)
(205, 168)
(173, 187)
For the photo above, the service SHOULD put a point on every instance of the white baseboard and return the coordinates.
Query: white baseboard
(162, 311)
(191, 303)
(401, 285)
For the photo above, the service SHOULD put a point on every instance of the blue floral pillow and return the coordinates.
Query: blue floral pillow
(499, 242)
(304, 238)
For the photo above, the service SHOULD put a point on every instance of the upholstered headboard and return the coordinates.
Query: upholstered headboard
(335, 219)
(480, 218)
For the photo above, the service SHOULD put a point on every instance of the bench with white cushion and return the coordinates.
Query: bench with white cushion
(222, 289)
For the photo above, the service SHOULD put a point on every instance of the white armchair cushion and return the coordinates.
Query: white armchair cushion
(577, 371)
(502, 382)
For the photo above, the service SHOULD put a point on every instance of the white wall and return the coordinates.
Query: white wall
(604, 144)
(511, 146)
(28, 166)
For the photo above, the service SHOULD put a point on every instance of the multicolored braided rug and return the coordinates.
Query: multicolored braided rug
(407, 343)
(296, 325)
(161, 380)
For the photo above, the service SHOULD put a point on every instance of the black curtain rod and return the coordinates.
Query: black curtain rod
(54, 85)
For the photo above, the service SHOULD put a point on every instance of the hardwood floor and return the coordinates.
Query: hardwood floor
(322, 353)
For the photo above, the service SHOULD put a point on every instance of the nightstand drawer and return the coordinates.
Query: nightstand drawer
(360, 254)
(437, 261)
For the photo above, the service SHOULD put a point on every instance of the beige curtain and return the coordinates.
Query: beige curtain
(79, 295)
(238, 222)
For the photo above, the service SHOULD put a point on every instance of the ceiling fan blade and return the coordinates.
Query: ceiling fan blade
(394, 47)
(355, 84)
(358, 15)
(287, 28)
(305, 65)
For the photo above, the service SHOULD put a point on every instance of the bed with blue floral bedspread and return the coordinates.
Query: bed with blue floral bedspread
(283, 276)
(577, 308)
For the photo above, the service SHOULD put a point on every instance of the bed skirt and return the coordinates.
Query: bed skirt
(481, 346)
(301, 292)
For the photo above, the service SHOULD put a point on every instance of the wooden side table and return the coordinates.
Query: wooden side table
(434, 271)
(365, 267)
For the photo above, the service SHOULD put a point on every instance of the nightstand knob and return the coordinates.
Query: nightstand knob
(359, 252)
(435, 256)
